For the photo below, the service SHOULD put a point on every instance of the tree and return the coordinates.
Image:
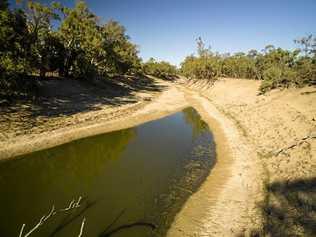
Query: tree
(308, 44)
(78, 47)
(92, 48)
(122, 54)
(160, 69)
(78, 32)
(201, 49)
(39, 19)
(277, 67)
(13, 39)
(205, 66)
(252, 53)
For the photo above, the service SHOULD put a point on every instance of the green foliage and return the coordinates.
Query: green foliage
(306, 68)
(51, 54)
(205, 66)
(13, 50)
(13, 40)
(239, 65)
(201, 67)
(11, 86)
(78, 47)
(122, 53)
(307, 45)
(42, 42)
(79, 35)
(275, 77)
(160, 69)
(275, 66)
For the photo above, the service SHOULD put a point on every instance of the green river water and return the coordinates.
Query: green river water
(132, 182)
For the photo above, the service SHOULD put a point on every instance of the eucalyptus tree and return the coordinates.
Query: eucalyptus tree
(307, 45)
(93, 48)
(160, 69)
(44, 48)
(122, 55)
(306, 65)
(277, 67)
(13, 39)
(206, 65)
(78, 32)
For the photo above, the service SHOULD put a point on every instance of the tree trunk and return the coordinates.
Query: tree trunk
(42, 72)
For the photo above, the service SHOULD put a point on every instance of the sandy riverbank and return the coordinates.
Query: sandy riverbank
(262, 142)
(271, 183)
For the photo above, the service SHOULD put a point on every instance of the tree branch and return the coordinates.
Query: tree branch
(72, 205)
(81, 228)
(304, 139)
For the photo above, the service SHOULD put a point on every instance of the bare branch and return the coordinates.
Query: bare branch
(72, 205)
(81, 228)
(21, 231)
(304, 139)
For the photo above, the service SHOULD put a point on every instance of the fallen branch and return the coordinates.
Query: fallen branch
(81, 228)
(301, 141)
(72, 205)
(21, 231)
(73, 218)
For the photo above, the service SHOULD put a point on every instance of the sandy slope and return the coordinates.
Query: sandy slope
(273, 150)
(225, 204)
(262, 142)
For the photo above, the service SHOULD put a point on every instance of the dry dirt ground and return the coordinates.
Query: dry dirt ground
(264, 181)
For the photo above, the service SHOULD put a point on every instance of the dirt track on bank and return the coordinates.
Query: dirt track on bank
(265, 144)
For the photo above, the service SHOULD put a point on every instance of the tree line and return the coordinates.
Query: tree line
(160, 69)
(37, 39)
(276, 67)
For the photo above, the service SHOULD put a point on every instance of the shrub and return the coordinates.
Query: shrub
(277, 76)
(277, 67)
(13, 86)
(159, 69)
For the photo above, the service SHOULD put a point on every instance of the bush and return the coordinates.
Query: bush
(277, 76)
(159, 69)
(201, 67)
(13, 86)
(275, 66)
(306, 69)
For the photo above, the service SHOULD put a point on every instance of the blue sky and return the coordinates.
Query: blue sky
(167, 29)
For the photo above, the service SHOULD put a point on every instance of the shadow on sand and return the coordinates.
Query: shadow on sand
(289, 209)
(60, 97)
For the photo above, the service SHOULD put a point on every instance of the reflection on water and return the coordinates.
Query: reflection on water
(132, 181)
(194, 119)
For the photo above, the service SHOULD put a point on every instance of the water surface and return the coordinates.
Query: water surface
(132, 182)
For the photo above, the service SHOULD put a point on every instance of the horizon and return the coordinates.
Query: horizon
(168, 30)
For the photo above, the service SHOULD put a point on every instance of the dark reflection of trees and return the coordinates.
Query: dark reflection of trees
(192, 117)
(289, 209)
(78, 161)
(34, 182)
